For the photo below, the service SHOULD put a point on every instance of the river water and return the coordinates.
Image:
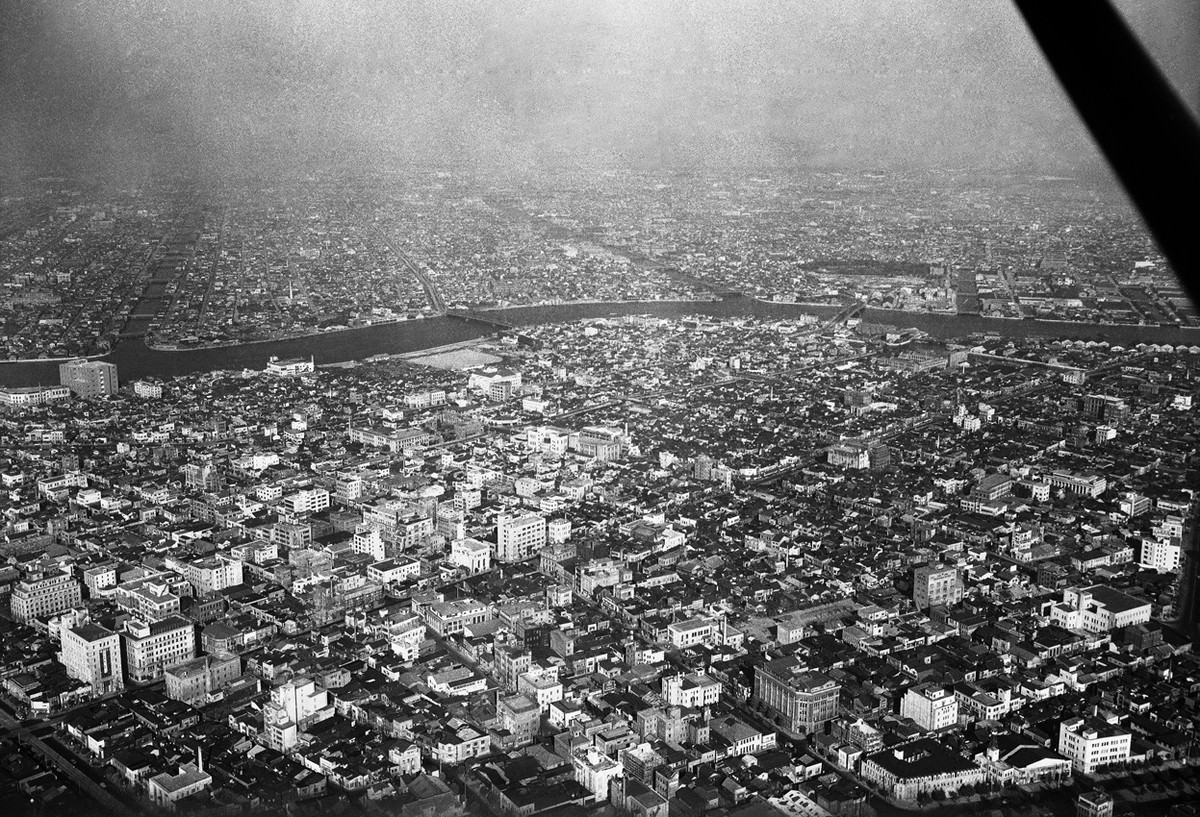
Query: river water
(135, 360)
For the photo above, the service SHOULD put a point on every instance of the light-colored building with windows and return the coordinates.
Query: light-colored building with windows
(471, 554)
(92, 654)
(519, 537)
(803, 698)
(38, 597)
(1090, 743)
(1098, 609)
(449, 617)
(168, 788)
(88, 378)
(595, 771)
(930, 706)
(935, 586)
(153, 646)
(692, 690)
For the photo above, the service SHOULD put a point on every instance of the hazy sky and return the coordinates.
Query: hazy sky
(121, 87)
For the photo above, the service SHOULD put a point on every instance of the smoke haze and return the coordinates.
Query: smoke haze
(126, 89)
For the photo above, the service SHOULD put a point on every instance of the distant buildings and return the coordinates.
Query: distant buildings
(89, 378)
(32, 395)
(495, 383)
(289, 367)
(148, 389)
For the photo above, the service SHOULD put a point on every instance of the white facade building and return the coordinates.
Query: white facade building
(473, 555)
(519, 538)
(1091, 743)
(151, 647)
(40, 597)
(92, 654)
(930, 706)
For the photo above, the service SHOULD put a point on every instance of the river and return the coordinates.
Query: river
(135, 360)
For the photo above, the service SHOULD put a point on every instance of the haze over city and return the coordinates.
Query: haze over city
(124, 88)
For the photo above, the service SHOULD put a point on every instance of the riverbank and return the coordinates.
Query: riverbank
(199, 347)
(68, 358)
(134, 360)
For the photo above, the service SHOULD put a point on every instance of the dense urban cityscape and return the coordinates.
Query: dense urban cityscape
(635, 565)
(82, 268)
(460, 408)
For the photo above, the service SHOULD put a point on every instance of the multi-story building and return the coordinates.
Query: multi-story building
(152, 646)
(369, 540)
(194, 681)
(151, 598)
(449, 617)
(148, 389)
(595, 771)
(471, 554)
(1083, 484)
(32, 395)
(510, 662)
(88, 378)
(38, 596)
(306, 501)
(602, 443)
(398, 569)
(520, 716)
(519, 538)
(92, 654)
(1099, 609)
(494, 383)
(919, 767)
(544, 688)
(1090, 743)
(694, 631)
(100, 580)
(455, 747)
(692, 690)
(803, 698)
(294, 706)
(209, 574)
(1163, 556)
(851, 454)
(931, 707)
(936, 586)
